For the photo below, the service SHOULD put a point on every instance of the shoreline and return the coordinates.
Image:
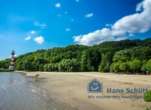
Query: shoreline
(123, 78)
(70, 89)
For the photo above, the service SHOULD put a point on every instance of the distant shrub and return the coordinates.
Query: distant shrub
(147, 96)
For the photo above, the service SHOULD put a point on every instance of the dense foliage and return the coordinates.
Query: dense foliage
(128, 56)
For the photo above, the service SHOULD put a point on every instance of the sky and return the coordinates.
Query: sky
(28, 25)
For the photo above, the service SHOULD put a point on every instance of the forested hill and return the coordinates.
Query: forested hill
(128, 56)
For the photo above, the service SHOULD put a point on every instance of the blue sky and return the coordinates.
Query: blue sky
(28, 25)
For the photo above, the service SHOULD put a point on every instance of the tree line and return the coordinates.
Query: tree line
(127, 56)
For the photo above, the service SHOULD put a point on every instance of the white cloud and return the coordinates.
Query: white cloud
(35, 36)
(138, 22)
(108, 25)
(39, 40)
(89, 15)
(30, 35)
(28, 38)
(40, 25)
(67, 29)
(58, 5)
(33, 32)
(139, 7)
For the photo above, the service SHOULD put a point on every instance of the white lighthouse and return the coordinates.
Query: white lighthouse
(12, 62)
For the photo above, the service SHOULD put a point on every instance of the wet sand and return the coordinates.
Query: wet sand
(69, 90)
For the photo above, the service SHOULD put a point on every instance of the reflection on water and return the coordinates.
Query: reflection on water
(16, 93)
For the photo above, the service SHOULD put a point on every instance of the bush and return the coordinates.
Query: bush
(147, 96)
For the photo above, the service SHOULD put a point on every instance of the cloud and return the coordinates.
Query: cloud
(28, 38)
(30, 35)
(139, 22)
(139, 7)
(39, 40)
(58, 5)
(40, 25)
(67, 29)
(33, 32)
(35, 36)
(89, 15)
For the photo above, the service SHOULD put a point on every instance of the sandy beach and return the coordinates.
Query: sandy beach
(70, 90)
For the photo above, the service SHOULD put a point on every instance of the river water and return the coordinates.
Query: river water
(19, 93)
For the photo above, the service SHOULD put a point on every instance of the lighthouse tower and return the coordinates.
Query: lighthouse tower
(12, 62)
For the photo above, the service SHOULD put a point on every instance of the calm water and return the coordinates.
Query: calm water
(19, 93)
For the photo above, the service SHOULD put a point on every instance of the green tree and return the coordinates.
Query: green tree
(105, 62)
(122, 56)
(4, 64)
(123, 67)
(51, 67)
(147, 67)
(84, 61)
(115, 67)
(90, 60)
(135, 65)
(28, 66)
(69, 65)
(118, 56)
